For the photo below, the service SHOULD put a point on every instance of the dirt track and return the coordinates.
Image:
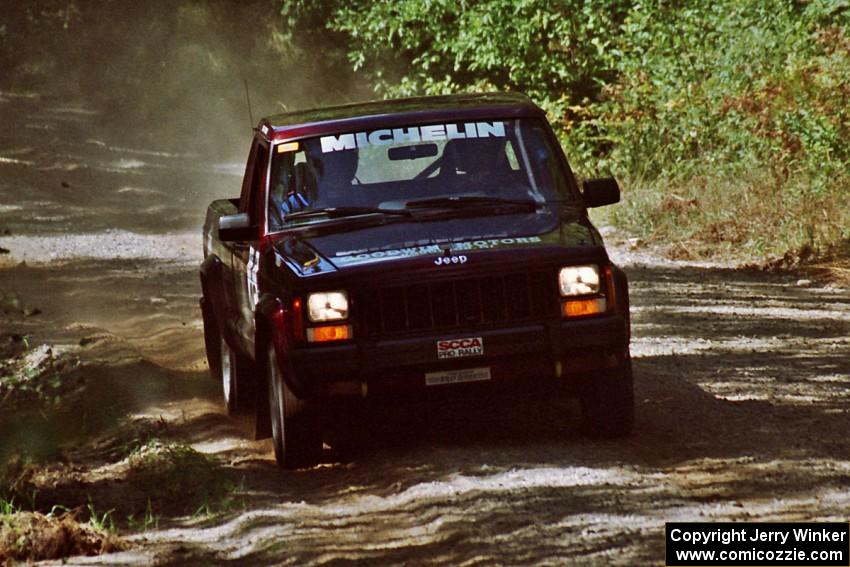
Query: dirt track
(741, 380)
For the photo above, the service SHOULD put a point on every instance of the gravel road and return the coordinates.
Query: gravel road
(741, 387)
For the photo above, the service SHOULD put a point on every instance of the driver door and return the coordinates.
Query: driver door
(245, 255)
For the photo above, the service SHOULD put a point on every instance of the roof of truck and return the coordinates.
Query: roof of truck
(396, 111)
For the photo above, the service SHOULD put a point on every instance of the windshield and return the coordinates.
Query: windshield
(368, 171)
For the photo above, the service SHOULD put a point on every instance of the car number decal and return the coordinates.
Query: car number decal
(253, 269)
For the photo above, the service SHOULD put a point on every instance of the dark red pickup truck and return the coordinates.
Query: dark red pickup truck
(410, 248)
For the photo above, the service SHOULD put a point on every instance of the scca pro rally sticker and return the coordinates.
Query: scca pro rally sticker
(388, 137)
(457, 348)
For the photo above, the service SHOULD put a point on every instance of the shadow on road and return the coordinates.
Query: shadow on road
(741, 383)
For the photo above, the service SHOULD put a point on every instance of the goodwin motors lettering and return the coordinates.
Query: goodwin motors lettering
(429, 133)
(350, 257)
(457, 348)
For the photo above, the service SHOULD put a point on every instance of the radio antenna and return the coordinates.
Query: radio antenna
(248, 98)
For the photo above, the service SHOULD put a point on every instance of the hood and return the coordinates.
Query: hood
(409, 238)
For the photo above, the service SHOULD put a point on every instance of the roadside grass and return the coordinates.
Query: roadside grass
(12, 345)
(126, 438)
(178, 480)
(751, 216)
(33, 536)
(154, 480)
(11, 304)
(75, 472)
(833, 268)
(33, 378)
(46, 513)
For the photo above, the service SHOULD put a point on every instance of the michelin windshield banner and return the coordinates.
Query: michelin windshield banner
(431, 132)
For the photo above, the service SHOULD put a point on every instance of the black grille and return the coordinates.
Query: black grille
(456, 303)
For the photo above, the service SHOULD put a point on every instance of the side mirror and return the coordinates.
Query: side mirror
(600, 192)
(237, 228)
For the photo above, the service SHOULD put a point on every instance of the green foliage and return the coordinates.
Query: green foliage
(710, 103)
(35, 379)
(151, 520)
(7, 507)
(553, 52)
(101, 522)
(723, 82)
(743, 110)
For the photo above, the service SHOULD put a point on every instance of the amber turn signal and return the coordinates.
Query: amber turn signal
(328, 333)
(584, 307)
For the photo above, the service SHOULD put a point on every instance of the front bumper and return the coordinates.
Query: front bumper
(522, 356)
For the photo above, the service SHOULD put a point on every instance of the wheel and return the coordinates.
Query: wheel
(228, 380)
(212, 341)
(607, 402)
(295, 425)
(236, 374)
(232, 371)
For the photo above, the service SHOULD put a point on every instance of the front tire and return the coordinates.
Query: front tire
(295, 427)
(607, 402)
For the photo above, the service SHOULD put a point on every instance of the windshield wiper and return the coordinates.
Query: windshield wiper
(466, 201)
(341, 212)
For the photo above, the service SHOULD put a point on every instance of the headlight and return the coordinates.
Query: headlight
(579, 280)
(327, 306)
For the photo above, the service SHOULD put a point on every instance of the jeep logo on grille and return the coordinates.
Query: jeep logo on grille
(446, 260)
(457, 348)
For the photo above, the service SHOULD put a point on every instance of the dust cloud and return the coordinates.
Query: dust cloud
(132, 116)
(171, 75)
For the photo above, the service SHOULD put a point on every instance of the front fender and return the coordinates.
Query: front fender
(621, 284)
(272, 319)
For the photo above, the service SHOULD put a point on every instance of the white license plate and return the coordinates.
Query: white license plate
(457, 376)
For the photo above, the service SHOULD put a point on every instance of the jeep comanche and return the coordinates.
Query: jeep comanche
(411, 248)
